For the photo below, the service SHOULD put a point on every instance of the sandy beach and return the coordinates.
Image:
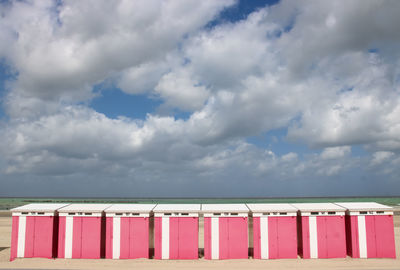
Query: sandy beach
(347, 263)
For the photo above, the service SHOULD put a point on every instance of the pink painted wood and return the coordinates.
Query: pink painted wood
(188, 241)
(14, 237)
(224, 238)
(157, 237)
(256, 238)
(353, 248)
(183, 238)
(174, 238)
(331, 235)
(86, 239)
(109, 238)
(380, 237)
(207, 238)
(134, 237)
(61, 237)
(43, 242)
(39, 237)
(305, 239)
(282, 237)
(233, 238)
(29, 236)
(77, 238)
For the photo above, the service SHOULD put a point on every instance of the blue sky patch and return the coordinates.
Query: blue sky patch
(114, 103)
(275, 140)
(240, 11)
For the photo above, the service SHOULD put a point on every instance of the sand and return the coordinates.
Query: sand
(347, 263)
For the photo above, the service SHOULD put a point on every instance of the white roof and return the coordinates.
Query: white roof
(39, 207)
(308, 207)
(360, 206)
(187, 208)
(214, 208)
(271, 207)
(137, 208)
(85, 208)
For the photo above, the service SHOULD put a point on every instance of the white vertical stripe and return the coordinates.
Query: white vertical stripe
(362, 237)
(165, 238)
(214, 238)
(312, 221)
(264, 237)
(69, 224)
(21, 236)
(116, 237)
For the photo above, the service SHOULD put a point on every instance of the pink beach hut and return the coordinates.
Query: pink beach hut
(34, 231)
(81, 231)
(321, 230)
(370, 230)
(225, 231)
(127, 231)
(274, 231)
(176, 229)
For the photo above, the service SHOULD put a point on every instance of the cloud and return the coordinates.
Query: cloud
(60, 51)
(335, 152)
(79, 143)
(289, 157)
(326, 72)
(361, 115)
(227, 54)
(380, 157)
(180, 91)
(225, 75)
(143, 78)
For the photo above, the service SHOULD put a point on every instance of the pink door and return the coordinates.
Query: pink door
(174, 238)
(77, 238)
(282, 237)
(188, 238)
(86, 237)
(331, 237)
(233, 241)
(39, 236)
(43, 244)
(380, 237)
(14, 238)
(91, 237)
(352, 241)
(109, 237)
(224, 242)
(61, 237)
(157, 237)
(183, 238)
(304, 239)
(134, 237)
(256, 238)
(273, 237)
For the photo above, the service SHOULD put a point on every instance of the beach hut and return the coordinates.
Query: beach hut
(274, 231)
(127, 231)
(321, 230)
(225, 231)
(81, 233)
(34, 230)
(176, 229)
(369, 230)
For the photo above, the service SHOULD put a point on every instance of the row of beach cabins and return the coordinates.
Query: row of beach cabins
(124, 231)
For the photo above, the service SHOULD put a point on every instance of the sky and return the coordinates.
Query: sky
(188, 98)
